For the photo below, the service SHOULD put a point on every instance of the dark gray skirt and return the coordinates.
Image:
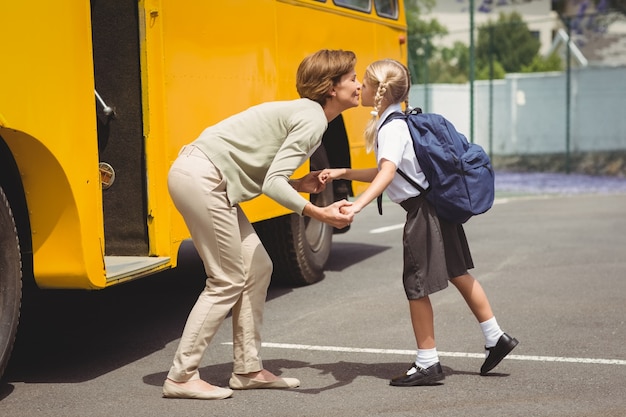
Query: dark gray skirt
(435, 251)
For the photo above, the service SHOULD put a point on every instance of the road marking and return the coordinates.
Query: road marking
(448, 354)
(387, 228)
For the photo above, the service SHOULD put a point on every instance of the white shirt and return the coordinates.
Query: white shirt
(394, 143)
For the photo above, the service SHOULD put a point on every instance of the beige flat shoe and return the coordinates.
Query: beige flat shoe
(242, 382)
(172, 390)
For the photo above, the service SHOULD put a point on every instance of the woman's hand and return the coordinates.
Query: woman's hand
(332, 214)
(310, 183)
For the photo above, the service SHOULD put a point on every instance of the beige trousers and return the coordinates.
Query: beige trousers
(237, 266)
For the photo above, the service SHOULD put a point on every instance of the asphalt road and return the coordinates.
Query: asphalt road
(554, 269)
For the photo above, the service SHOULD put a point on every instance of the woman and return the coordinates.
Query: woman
(435, 251)
(253, 152)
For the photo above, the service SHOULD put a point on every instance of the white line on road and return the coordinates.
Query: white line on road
(449, 354)
(387, 228)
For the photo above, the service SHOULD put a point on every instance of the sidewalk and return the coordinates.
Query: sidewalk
(557, 183)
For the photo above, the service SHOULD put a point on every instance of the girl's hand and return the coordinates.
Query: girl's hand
(323, 177)
(349, 210)
(329, 174)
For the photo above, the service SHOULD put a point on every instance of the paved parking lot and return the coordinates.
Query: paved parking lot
(553, 267)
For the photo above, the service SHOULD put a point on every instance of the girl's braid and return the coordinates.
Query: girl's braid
(380, 95)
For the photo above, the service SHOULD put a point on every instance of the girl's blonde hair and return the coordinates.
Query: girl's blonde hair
(319, 72)
(392, 81)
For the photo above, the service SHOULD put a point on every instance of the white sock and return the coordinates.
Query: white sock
(491, 331)
(426, 357)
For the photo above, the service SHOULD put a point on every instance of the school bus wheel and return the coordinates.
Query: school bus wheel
(10, 281)
(299, 246)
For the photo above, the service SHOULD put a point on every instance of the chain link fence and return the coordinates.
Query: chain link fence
(567, 120)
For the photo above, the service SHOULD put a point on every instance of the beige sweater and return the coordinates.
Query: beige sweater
(258, 149)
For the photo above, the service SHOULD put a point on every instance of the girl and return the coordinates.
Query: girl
(435, 251)
(253, 152)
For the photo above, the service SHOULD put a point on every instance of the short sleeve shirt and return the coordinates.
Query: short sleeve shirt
(394, 144)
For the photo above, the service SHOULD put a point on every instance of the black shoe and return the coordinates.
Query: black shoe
(504, 346)
(419, 376)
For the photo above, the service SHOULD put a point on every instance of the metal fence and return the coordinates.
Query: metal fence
(572, 120)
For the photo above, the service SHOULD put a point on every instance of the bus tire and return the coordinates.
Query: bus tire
(10, 281)
(299, 246)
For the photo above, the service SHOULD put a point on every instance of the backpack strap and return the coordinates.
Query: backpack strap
(413, 183)
(379, 199)
(401, 115)
(394, 115)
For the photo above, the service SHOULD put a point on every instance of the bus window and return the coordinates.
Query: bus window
(387, 8)
(362, 5)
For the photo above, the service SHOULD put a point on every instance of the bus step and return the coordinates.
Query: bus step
(122, 268)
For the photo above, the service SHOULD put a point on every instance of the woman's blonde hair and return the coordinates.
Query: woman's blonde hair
(319, 72)
(392, 82)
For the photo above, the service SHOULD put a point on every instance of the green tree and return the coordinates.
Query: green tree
(552, 62)
(450, 65)
(507, 44)
(420, 39)
(485, 73)
(508, 41)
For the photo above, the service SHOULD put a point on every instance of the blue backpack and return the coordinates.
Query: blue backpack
(460, 174)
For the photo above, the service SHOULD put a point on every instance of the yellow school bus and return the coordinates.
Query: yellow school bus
(96, 99)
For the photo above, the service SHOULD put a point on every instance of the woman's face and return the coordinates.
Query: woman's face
(347, 91)
(368, 92)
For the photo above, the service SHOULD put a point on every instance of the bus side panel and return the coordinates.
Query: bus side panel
(213, 69)
(48, 115)
(206, 61)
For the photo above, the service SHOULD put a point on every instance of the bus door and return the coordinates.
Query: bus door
(115, 35)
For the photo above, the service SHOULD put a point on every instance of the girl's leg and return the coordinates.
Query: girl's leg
(426, 370)
(422, 319)
(477, 301)
(474, 296)
(497, 343)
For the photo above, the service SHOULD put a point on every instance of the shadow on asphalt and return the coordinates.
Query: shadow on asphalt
(75, 336)
(343, 373)
(346, 254)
